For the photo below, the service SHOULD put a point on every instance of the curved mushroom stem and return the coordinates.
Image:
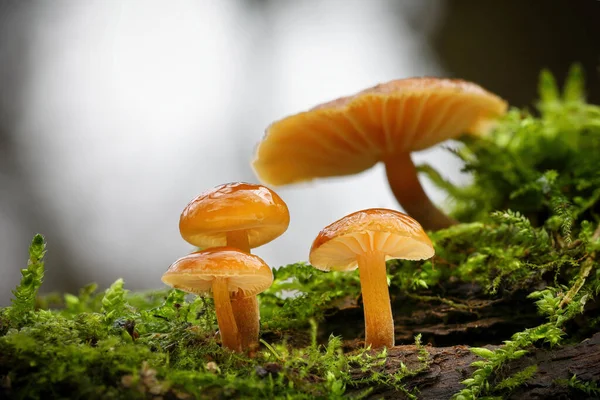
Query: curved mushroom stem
(230, 336)
(239, 240)
(379, 324)
(404, 182)
(247, 316)
(245, 309)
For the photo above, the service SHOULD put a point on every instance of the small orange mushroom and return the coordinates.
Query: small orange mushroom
(384, 123)
(221, 271)
(240, 215)
(366, 239)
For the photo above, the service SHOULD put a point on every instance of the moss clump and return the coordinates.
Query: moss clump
(579, 388)
(532, 227)
(100, 346)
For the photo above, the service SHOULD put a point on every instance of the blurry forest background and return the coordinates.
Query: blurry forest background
(114, 114)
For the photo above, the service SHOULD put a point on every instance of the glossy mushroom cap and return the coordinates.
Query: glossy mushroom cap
(195, 272)
(255, 209)
(351, 134)
(381, 230)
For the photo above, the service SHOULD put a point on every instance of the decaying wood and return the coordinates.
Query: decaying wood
(447, 321)
(463, 318)
(451, 365)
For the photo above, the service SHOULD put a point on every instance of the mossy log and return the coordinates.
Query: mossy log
(507, 308)
(451, 328)
(464, 315)
(451, 365)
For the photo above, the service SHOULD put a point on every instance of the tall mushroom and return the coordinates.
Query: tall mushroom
(366, 239)
(383, 123)
(240, 215)
(221, 271)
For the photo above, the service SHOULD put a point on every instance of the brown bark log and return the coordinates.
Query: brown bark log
(451, 365)
(467, 317)
(471, 319)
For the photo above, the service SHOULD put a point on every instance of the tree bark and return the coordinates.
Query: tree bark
(471, 318)
(464, 318)
(451, 365)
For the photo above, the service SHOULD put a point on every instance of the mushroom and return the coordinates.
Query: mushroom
(366, 239)
(384, 123)
(221, 271)
(240, 215)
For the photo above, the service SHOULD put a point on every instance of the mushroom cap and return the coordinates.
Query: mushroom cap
(256, 209)
(351, 134)
(391, 232)
(195, 272)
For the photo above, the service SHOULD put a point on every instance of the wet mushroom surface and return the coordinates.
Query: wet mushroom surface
(237, 214)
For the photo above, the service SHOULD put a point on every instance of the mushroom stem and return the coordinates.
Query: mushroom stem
(379, 324)
(230, 336)
(239, 240)
(404, 182)
(245, 309)
(247, 316)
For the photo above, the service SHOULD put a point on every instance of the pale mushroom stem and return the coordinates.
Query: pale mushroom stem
(247, 316)
(404, 182)
(379, 323)
(239, 240)
(230, 336)
(245, 309)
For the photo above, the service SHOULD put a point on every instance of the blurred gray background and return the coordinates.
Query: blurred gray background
(115, 113)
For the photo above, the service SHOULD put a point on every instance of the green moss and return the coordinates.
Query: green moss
(517, 379)
(24, 295)
(531, 215)
(580, 387)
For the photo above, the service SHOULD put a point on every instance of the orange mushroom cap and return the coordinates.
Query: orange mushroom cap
(195, 272)
(391, 232)
(351, 134)
(255, 209)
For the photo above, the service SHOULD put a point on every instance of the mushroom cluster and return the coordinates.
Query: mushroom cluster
(342, 137)
(226, 222)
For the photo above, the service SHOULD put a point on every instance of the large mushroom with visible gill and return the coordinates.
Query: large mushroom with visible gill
(384, 123)
(366, 239)
(240, 215)
(221, 271)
